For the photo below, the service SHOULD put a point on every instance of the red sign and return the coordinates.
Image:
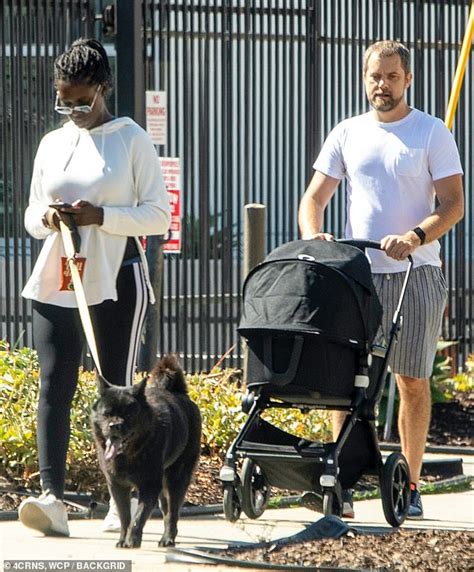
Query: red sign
(174, 242)
(171, 170)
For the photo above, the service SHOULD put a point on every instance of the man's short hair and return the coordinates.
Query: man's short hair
(387, 48)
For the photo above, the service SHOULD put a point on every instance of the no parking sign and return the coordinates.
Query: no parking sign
(156, 116)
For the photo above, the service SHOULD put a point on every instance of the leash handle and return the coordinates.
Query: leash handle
(70, 246)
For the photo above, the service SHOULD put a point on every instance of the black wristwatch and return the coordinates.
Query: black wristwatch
(420, 233)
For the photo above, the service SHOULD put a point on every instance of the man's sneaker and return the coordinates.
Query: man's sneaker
(46, 514)
(415, 510)
(314, 501)
(111, 522)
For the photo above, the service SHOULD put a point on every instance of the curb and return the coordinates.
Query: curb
(444, 449)
(101, 509)
(458, 480)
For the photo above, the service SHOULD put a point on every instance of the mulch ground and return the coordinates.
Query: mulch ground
(452, 422)
(403, 550)
(205, 489)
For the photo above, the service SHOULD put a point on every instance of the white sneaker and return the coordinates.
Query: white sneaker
(111, 522)
(46, 514)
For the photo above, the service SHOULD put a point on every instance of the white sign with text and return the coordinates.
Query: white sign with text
(156, 116)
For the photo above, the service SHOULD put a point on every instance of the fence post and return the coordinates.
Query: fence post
(130, 75)
(254, 250)
(254, 236)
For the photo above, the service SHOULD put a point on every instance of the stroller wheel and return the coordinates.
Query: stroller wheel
(328, 497)
(395, 489)
(331, 504)
(255, 489)
(231, 504)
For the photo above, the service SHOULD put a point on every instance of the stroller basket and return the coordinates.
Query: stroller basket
(300, 463)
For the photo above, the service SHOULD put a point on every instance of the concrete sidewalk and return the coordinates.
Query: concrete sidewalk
(447, 511)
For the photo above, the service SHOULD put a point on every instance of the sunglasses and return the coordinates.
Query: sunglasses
(64, 110)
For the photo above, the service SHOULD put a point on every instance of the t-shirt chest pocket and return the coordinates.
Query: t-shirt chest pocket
(409, 162)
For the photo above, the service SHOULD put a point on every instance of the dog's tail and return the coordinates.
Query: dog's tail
(169, 375)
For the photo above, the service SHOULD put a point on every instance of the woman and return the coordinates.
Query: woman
(107, 170)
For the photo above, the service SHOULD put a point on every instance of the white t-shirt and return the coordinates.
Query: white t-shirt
(114, 166)
(390, 169)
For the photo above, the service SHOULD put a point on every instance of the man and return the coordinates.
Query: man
(396, 160)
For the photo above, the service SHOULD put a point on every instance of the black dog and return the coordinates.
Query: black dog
(148, 438)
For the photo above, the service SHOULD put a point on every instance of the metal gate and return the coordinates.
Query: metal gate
(253, 88)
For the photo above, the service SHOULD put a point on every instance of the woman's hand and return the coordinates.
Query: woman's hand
(51, 219)
(84, 213)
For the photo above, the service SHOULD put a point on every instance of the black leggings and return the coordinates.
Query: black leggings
(59, 339)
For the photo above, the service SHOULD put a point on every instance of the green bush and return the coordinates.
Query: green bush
(19, 380)
(441, 380)
(217, 394)
(19, 390)
(464, 381)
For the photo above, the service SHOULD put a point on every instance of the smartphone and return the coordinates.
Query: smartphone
(60, 205)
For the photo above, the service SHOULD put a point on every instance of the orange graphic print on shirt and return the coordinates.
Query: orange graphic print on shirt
(66, 278)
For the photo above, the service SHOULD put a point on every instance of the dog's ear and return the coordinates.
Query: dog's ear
(169, 375)
(138, 390)
(169, 361)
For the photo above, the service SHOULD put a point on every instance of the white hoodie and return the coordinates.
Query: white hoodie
(114, 166)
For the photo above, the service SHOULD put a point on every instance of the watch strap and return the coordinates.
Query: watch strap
(420, 233)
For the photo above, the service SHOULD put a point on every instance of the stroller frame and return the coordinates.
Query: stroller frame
(324, 468)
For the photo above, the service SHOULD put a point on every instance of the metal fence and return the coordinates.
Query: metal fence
(32, 34)
(253, 88)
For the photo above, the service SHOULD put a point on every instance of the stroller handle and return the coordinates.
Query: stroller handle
(363, 244)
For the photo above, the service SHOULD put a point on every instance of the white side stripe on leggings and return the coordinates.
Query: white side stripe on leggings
(141, 304)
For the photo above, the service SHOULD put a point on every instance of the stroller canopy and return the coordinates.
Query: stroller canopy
(313, 287)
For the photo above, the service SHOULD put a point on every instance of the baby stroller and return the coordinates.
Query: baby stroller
(309, 319)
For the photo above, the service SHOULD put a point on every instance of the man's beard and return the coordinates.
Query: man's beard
(384, 104)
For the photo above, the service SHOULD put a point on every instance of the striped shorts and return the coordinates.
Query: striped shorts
(422, 310)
